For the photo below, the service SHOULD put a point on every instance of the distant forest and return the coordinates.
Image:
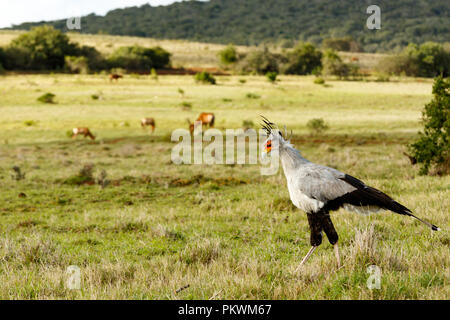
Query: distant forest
(252, 22)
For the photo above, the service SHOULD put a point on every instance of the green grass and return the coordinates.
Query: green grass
(226, 231)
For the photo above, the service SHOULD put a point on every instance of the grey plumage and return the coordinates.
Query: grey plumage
(316, 188)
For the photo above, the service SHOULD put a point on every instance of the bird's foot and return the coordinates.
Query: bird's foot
(336, 253)
(305, 258)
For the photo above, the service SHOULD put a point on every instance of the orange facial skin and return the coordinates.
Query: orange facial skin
(268, 146)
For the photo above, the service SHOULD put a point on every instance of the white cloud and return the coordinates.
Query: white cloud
(18, 11)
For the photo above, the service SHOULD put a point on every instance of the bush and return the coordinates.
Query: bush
(433, 147)
(84, 176)
(42, 48)
(272, 76)
(138, 58)
(304, 59)
(154, 74)
(252, 96)
(204, 77)
(333, 65)
(317, 126)
(319, 81)
(47, 98)
(261, 62)
(95, 59)
(29, 123)
(77, 64)
(427, 60)
(228, 55)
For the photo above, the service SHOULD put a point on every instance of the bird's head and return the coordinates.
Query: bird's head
(275, 138)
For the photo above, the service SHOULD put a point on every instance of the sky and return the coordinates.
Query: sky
(18, 11)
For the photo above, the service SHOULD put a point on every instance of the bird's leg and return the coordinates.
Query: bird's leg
(315, 227)
(336, 253)
(306, 258)
(332, 235)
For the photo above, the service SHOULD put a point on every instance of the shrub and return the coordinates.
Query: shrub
(84, 176)
(95, 60)
(29, 123)
(154, 74)
(18, 174)
(204, 77)
(261, 62)
(317, 126)
(272, 76)
(42, 48)
(186, 105)
(433, 147)
(228, 55)
(253, 95)
(47, 98)
(319, 81)
(136, 58)
(304, 59)
(77, 64)
(332, 64)
(427, 60)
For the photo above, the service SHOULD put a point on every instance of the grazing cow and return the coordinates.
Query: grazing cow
(148, 122)
(115, 76)
(83, 131)
(206, 119)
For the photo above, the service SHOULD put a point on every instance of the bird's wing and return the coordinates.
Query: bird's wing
(322, 183)
(338, 189)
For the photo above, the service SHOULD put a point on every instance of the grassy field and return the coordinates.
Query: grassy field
(225, 231)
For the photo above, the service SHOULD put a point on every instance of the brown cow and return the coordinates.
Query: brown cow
(206, 119)
(83, 131)
(115, 76)
(148, 122)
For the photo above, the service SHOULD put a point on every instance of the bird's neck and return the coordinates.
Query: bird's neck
(291, 159)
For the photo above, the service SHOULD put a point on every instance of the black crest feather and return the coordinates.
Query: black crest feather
(267, 125)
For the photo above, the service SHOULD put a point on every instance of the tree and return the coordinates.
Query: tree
(427, 60)
(43, 48)
(77, 64)
(137, 58)
(433, 147)
(304, 59)
(261, 62)
(228, 55)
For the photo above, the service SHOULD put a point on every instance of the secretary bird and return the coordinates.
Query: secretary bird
(318, 189)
